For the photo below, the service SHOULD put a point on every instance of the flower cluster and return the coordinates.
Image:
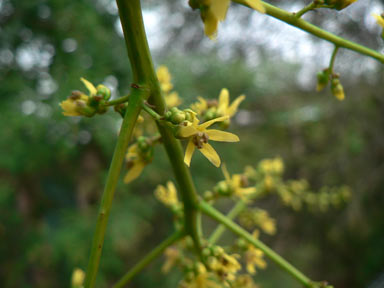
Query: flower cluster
(80, 104)
(212, 108)
(258, 217)
(138, 156)
(216, 269)
(325, 77)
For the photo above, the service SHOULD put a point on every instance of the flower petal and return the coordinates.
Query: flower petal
(205, 125)
(171, 187)
(256, 5)
(187, 131)
(219, 8)
(211, 154)
(189, 152)
(218, 135)
(233, 107)
(92, 90)
(247, 191)
(223, 100)
(134, 172)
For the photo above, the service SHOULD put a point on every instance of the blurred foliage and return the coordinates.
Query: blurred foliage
(52, 168)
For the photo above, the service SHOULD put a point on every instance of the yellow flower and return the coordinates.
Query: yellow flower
(224, 265)
(379, 19)
(266, 223)
(224, 108)
(201, 106)
(236, 184)
(168, 196)
(244, 281)
(77, 103)
(337, 89)
(164, 78)
(172, 255)
(202, 280)
(91, 88)
(172, 99)
(78, 277)
(138, 156)
(198, 137)
(73, 105)
(254, 257)
(215, 11)
(272, 166)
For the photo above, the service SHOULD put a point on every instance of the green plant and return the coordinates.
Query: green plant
(204, 263)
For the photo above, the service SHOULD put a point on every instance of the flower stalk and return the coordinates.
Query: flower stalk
(144, 72)
(213, 213)
(144, 262)
(292, 19)
(133, 110)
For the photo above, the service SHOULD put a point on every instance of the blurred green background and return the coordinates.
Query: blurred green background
(52, 168)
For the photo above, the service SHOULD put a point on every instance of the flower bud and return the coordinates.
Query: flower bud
(322, 80)
(222, 188)
(178, 117)
(103, 91)
(337, 89)
(339, 4)
(78, 277)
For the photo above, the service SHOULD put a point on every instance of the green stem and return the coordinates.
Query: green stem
(133, 110)
(118, 101)
(305, 10)
(156, 252)
(151, 112)
(215, 236)
(142, 66)
(291, 19)
(333, 58)
(212, 212)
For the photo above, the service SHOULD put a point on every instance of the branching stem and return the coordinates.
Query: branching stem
(144, 72)
(280, 261)
(133, 110)
(291, 19)
(306, 9)
(144, 262)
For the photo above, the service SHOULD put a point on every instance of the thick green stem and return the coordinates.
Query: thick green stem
(212, 212)
(133, 110)
(143, 69)
(156, 252)
(291, 19)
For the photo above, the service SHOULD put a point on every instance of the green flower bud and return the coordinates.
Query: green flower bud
(178, 117)
(103, 91)
(222, 188)
(339, 4)
(322, 80)
(143, 144)
(242, 243)
(337, 89)
(206, 252)
(168, 115)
